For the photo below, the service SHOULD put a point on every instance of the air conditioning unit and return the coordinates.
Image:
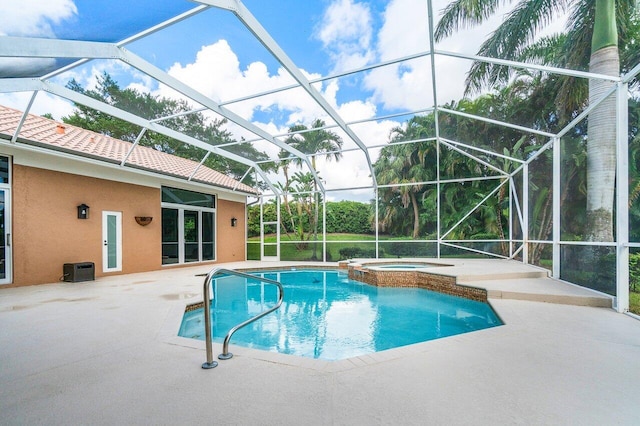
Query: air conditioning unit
(76, 272)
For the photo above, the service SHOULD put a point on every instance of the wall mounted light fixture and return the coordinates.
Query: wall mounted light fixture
(83, 211)
(234, 221)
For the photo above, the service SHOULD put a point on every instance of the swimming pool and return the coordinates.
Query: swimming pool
(325, 315)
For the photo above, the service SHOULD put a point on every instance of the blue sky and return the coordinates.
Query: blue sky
(214, 53)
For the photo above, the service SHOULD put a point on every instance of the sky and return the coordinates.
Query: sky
(214, 53)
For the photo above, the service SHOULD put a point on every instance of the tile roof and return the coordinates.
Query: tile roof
(75, 140)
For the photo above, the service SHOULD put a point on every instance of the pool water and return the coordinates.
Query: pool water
(325, 315)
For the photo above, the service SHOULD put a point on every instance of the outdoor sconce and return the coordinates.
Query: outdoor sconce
(83, 211)
(143, 220)
(234, 222)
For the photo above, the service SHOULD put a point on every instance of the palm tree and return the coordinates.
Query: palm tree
(315, 143)
(407, 165)
(592, 26)
(400, 166)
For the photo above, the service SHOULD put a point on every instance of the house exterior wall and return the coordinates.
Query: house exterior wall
(231, 241)
(47, 233)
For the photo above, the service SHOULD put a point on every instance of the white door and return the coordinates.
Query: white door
(111, 241)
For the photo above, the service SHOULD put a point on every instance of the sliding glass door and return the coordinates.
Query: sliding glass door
(191, 226)
(5, 221)
(189, 229)
(5, 235)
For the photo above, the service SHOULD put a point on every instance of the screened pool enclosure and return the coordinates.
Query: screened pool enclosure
(505, 172)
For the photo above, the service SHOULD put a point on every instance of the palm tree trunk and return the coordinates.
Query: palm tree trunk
(287, 206)
(601, 148)
(315, 213)
(416, 216)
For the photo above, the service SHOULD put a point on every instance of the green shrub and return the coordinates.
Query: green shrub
(410, 249)
(355, 252)
(634, 271)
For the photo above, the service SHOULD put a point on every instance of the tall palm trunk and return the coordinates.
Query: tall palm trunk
(315, 213)
(601, 148)
(416, 216)
(287, 206)
(601, 145)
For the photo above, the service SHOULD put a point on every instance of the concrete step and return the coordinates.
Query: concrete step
(547, 290)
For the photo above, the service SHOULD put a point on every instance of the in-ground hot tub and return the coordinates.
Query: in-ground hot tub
(401, 266)
(431, 276)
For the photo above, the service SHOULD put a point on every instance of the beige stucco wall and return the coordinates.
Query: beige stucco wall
(231, 241)
(47, 234)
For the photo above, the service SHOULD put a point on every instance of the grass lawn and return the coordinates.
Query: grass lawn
(330, 237)
(634, 302)
(351, 245)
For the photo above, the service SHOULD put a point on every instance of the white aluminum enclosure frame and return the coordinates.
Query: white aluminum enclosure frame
(85, 51)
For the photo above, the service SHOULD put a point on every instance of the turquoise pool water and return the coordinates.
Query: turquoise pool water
(325, 315)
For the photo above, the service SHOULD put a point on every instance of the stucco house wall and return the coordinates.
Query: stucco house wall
(54, 168)
(47, 233)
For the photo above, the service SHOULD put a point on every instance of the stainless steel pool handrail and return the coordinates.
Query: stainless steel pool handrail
(207, 312)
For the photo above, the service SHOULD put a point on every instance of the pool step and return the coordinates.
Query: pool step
(512, 275)
(546, 290)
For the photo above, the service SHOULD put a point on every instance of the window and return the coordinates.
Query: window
(169, 236)
(188, 226)
(5, 221)
(188, 198)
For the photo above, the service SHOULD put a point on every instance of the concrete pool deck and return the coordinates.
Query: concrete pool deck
(103, 352)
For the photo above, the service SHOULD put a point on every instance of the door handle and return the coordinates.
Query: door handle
(105, 243)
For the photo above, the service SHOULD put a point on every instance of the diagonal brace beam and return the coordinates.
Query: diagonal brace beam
(247, 18)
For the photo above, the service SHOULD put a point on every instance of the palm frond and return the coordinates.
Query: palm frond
(464, 14)
(508, 41)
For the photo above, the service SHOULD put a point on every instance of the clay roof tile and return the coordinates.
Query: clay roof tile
(54, 135)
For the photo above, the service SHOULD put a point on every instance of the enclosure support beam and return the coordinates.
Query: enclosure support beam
(377, 223)
(511, 192)
(622, 199)
(264, 37)
(557, 169)
(324, 227)
(14, 138)
(525, 213)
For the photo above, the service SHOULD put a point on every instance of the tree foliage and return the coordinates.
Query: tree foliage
(350, 217)
(303, 187)
(153, 107)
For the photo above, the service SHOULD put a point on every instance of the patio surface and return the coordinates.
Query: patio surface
(105, 352)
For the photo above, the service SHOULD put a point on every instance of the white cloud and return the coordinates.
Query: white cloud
(346, 32)
(44, 104)
(216, 73)
(404, 31)
(34, 17)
